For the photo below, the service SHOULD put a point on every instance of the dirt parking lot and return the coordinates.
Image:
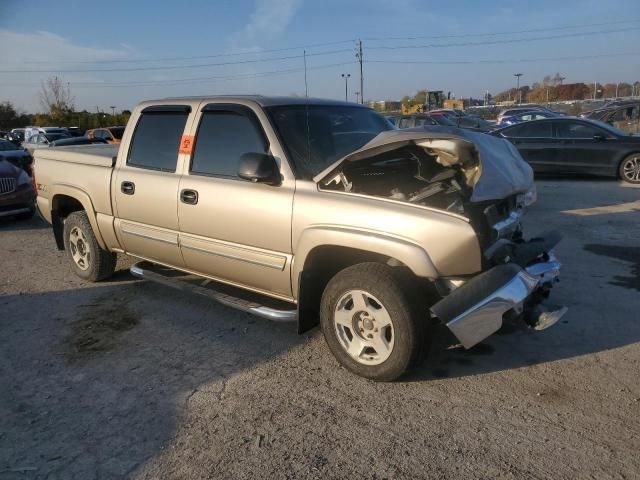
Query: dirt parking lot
(126, 379)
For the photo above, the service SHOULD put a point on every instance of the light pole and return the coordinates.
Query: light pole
(357, 94)
(346, 85)
(113, 110)
(518, 75)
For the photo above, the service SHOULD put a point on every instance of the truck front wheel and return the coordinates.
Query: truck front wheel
(372, 322)
(89, 261)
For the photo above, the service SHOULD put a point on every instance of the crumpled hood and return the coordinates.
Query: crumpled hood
(492, 166)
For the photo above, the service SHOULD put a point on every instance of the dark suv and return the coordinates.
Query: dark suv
(17, 193)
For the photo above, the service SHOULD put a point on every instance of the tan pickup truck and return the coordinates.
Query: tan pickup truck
(311, 211)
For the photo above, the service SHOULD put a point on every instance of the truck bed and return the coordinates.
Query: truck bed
(97, 155)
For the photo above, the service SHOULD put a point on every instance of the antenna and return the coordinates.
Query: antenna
(306, 90)
(306, 109)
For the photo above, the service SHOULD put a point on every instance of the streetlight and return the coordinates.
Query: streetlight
(346, 85)
(518, 75)
(113, 110)
(357, 94)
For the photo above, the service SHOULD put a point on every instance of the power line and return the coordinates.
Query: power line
(196, 57)
(181, 81)
(508, 61)
(178, 67)
(512, 32)
(502, 41)
(316, 45)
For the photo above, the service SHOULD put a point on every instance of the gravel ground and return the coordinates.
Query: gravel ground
(125, 379)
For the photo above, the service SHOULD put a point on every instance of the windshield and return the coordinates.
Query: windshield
(333, 132)
(117, 132)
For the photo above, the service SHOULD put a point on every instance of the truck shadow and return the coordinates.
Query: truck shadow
(95, 379)
(11, 223)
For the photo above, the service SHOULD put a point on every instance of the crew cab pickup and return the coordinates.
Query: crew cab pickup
(311, 211)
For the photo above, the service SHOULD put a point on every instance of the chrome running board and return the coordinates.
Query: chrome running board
(214, 290)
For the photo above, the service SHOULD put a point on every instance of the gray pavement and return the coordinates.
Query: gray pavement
(126, 379)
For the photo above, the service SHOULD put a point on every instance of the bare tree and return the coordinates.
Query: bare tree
(55, 96)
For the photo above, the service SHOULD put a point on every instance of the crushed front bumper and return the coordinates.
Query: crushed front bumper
(476, 309)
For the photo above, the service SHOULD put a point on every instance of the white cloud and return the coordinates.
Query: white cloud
(48, 47)
(42, 50)
(269, 20)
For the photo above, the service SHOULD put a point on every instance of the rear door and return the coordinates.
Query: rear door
(231, 229)
(586, 148)
(535, 143)
(146, 183)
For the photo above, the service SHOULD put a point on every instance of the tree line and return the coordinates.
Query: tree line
(57, 103)
(552, 89)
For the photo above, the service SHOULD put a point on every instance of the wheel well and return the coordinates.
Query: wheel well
(321, 264)
(61, 207)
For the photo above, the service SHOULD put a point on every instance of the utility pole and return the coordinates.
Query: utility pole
(306, 89)
(617, 85)
(346, 85)
(518, 75)
(595, 87)
(359, 57)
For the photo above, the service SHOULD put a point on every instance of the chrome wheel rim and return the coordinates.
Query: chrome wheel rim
(364, 327)
(79, 247)
(631, 169)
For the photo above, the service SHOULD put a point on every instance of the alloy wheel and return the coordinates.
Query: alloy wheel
(364, 327)
(79, 247)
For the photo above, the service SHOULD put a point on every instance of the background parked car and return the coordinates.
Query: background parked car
(521, 109)
(17, 194)
(42, 140)
(576, 146)
(10, 152)
(109, 134)
(625, 117)
(527, 116)
(75, 131)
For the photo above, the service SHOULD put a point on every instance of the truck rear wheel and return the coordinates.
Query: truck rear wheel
(89, 261)
(372, 321)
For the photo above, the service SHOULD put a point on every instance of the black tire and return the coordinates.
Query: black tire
(408, 313)
(100, 263)
(635, 179)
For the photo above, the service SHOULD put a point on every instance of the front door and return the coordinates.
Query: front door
(146, 185)
(586, 148)
(231, 229)
(536, 144)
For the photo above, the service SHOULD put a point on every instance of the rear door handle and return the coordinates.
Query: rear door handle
(128, 188)
(189, 196)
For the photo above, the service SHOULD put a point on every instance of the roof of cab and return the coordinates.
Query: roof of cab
(261, 100)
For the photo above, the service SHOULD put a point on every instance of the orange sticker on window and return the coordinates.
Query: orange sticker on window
(186, 144)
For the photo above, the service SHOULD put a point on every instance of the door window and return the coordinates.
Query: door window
(156, 140)
(223, 137)
(577, 130)
(406, 122)
(529, 130)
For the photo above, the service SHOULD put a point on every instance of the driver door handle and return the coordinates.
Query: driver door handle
(128, 188)
(189, 197)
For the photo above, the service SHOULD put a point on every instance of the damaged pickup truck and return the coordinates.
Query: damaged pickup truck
(312, 211)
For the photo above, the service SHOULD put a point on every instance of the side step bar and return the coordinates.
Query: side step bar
(209, 288)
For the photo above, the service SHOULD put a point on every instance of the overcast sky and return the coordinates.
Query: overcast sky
(152, 49)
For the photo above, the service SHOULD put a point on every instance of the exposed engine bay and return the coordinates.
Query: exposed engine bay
(411, 173)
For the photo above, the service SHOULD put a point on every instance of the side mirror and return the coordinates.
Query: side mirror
(599, 138)
(259, 168)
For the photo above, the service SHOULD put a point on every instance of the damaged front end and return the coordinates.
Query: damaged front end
(485, 180)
